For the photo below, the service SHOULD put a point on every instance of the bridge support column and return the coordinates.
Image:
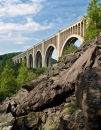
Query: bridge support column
(43, 55)
(27, 59)
(84, 28)
(33, 57)
(58, 44)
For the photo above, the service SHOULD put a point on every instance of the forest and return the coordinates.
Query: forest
(12, 76)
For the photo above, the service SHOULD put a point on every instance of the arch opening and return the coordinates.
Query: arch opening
(25, 58)
(72, 42)
(30, 61)
(51, 56)
(20, 60)
(38, 60)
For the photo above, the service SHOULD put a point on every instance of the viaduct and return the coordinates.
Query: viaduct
(41, 53)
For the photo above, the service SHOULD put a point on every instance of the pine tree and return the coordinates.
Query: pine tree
(25, 75)
(8, 84)
(93, 20)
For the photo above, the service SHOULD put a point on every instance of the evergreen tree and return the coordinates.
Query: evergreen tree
(25, 75)
(8, 85)
(93, 20)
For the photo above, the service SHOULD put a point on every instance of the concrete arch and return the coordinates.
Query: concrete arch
(30, 61)
(71, 38)
(48, 54)
(38, 59)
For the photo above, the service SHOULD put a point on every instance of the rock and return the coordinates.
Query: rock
(76, 121)
(43, 96)
(8, 110)
(53, 122)
(84, 61)
(6, 121)
(45, 103)
(31, 85)
(88, 93)
(29, 122)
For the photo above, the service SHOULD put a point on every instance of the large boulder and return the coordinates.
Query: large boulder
(88, 93)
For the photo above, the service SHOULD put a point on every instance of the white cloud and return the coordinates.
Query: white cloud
(20, 42)
(26, 47)
(30, 25)
(14, 36)
(14, 8)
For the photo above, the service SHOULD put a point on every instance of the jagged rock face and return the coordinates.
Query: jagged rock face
(88, 94)
(44, 103)
(8, 110)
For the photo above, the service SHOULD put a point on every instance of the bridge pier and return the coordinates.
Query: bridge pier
(33, 57)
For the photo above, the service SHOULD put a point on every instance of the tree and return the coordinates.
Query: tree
(25, 74)
(93, 20)
(70, 49)
(8, 85)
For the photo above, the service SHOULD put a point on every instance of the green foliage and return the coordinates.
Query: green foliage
(70, 49)
(40, 71)
(25, 75)
(12, 76)
(93, 20)
(8, 85)
(59, 58)
(8, 56)
(54, 61)
(6, 59)
(2, 64)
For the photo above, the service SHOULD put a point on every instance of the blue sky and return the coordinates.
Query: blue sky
(24, 23)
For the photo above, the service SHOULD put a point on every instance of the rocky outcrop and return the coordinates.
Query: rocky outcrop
(88, 93)
(66, 97)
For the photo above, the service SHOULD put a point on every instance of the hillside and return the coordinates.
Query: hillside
(66, 97)
(8, 56)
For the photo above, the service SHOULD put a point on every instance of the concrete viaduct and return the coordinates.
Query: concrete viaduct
(41, 53)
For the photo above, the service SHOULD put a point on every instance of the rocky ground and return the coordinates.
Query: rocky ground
(66, 97)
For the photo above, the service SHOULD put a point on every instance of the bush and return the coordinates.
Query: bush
(70, 49)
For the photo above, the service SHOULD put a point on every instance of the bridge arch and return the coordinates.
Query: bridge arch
(30, 61)
(71, 39)
(38, 59)
(48, 54)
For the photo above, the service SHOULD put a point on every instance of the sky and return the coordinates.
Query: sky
(24, 23)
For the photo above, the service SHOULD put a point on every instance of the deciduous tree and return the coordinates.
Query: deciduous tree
(93, 20)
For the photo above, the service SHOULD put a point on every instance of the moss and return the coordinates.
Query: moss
(34, 121)
(70, 108)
